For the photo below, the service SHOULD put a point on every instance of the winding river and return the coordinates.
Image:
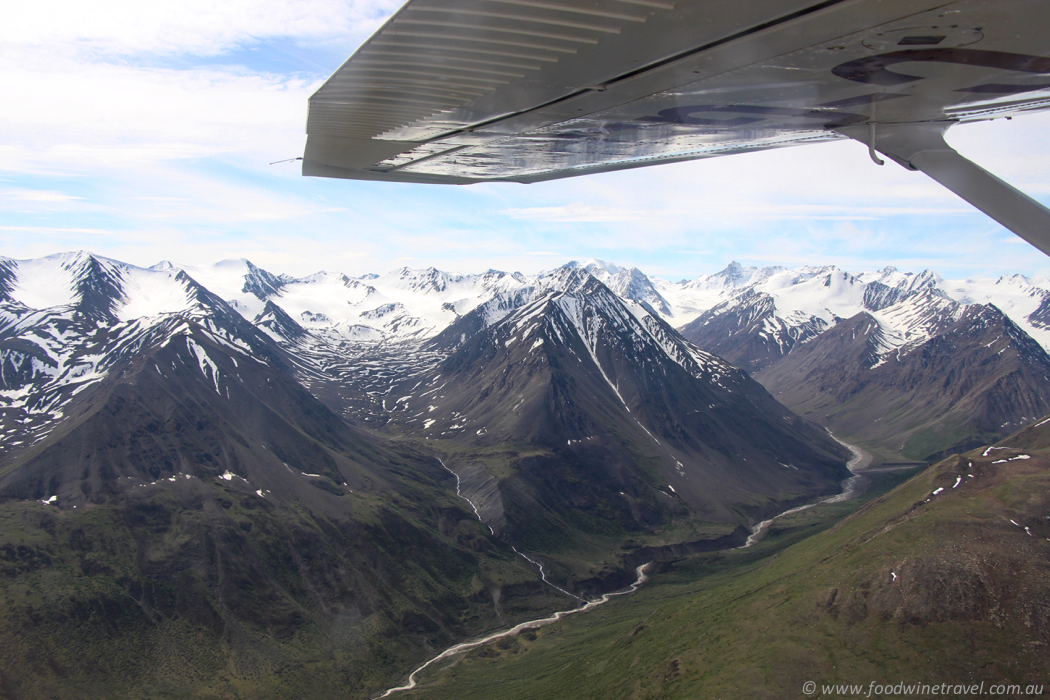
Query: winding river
(851, 488)
(641, 578)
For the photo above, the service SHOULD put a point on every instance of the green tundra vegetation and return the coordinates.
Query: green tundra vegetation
(908, 587)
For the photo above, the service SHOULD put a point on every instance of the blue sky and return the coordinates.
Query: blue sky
(145, 132)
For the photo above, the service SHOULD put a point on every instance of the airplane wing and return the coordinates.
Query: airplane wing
(464, 91)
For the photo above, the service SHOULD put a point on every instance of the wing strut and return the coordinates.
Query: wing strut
(921, 146)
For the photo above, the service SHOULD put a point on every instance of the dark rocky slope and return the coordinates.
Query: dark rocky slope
(981, 378)
(618, 419)
(197, 522)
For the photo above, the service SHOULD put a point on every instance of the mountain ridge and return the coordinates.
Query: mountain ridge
(526, 379)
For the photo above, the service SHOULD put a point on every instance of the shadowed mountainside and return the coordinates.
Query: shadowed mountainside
(978, 379)
(625, 423)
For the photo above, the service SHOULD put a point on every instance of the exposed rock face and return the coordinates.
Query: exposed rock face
(979, 378)
(748, 333)
(629, 418)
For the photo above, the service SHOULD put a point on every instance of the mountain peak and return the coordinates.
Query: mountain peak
(70, 258)
(262, 284)
(577, 365)
(567, 278)
(735, 274)
(594, 265)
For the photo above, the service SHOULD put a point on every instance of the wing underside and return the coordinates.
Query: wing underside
(462, 91)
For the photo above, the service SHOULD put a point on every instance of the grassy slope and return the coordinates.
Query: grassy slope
(227, 598)
(970, 602)
(584, 544)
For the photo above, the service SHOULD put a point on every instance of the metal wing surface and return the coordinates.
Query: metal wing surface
(462, 91)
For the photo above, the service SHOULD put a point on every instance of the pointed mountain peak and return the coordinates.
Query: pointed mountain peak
(262, 284)
(70, 259)
(98, 286)
(425, 280)
(1017, 277)
(928, 277)
(568, 279)
(736, 275)
(635, 285)
(277, 323)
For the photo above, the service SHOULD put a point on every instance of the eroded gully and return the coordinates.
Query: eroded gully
(640, 578)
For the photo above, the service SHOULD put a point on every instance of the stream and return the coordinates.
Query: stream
(640, 578)
(851, 488)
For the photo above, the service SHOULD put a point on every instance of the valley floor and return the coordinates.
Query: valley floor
(934, 577)
(784, 529)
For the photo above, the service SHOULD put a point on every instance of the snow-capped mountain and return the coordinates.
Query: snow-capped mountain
(779, 307)
(351, 338)
(979, 378)
(754, 317)
(404, 304)
(72, 322)
(68, 321)
(629, 283)
(625, 409)
(899, 360)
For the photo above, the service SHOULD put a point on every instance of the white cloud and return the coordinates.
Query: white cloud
(577, 212)
(36, 196)
(105, 28)
(51, 229)
(69, 116)
(121, 128)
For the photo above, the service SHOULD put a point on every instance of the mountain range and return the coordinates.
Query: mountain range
(247, 474)
(557, 372)
(349, 340)
(169, 487)
(763, 320)
(907, 364)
